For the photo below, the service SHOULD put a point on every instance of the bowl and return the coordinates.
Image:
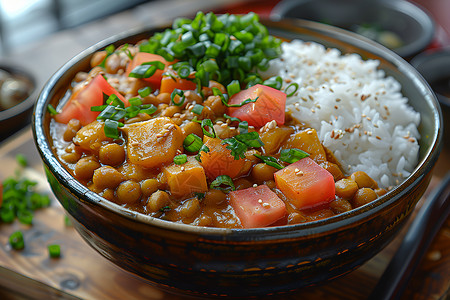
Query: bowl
(434, 65)
(385, 21)
(215, 262)
(17, 99)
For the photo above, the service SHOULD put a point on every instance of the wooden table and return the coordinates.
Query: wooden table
(83, 273)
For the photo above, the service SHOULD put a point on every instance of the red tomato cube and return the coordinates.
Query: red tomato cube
(257, 206)
(270, 105)
(305, 183)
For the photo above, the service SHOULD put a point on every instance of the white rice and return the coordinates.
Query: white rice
(358, 112)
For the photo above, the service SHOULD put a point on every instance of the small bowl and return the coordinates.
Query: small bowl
(215, 262)
(18, 113)
(434, 65)
(411, 24)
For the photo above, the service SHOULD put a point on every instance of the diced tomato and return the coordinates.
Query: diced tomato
(257, 206)
(219, 161)
(80, 103)
(169, 83)
(142, 57)
(305, 183)
(270, 105)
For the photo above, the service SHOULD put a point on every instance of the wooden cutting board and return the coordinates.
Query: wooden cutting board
(83, 273)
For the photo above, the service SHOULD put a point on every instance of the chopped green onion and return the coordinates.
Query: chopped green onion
(144, 92)
(54, 251)
(292, 155)
(203, 148)
(180, 159)
(200, 196)
(274, 82)
(269, 160)
(51, 110)
(109, 50)
(207, 123)
(243, 125)
(16, 240)
(237, 148)
(180, 93)
(192, 143)
(111, 128)
(197, 109)
(67, 221)
(165, 208)
(222, 180)
(21, 160)
(147, 69)
(25, 216)
(292, 85)
(250, 139)
(224, 99)
(233, 88)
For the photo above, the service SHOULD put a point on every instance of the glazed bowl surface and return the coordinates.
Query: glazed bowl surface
(203, 261)
(17, 99)
(410, 23)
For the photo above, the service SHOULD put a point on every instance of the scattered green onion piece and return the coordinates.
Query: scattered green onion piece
(54, 251)
(222, 180)
(147, 69)
(224, 99)
(290, 94)
(197, 109)
(192, 143)
(250, 139)
(52, 110)
(111, 128)
(21, 160)
(243, 125)
(184, 71)
(165, 208)
(233, 88)
(180, 159)
(148, 109)
(67, 221)
(208, 123)
(292, 155)
(144, 92)
(269, 160)
(203, 148)
(16, 240)
(25, 216)
(179, 93)
(200, 196)
(237, 148)
(135, 101)
(274, 82)
(109, 50)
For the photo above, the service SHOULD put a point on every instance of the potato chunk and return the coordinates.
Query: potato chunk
(154, 142)
(91, 137)
(308, 141)
(186, 179)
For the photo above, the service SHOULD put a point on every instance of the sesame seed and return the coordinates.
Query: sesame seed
(265, 204)
(377, 137)
(260, 201)
(182, 168)
(176, 115)
(336, 107)
(255, 185)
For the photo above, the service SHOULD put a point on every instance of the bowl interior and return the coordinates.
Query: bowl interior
(414, 87)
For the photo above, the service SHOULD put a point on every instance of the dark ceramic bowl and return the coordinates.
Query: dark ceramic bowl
(409, 22)
(19, 115)
(434, 65)
(210, 262)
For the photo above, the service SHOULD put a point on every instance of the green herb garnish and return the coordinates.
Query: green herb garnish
(147, 69)
(292, 155)
(52, 110)
(269, 160)
(16, 240)
(180, 159)
(197, 109)
(240, 143)
(54, 251)
(192, 143)
(222, 180)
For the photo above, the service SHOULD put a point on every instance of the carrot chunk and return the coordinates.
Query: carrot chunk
(306, 184)
(257, 206)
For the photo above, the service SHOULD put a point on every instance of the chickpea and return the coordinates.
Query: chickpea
(85, 167)
(128, 192)
(242, 183)
(71, 157)
(340, 205)
(346, 188)
(321, 214)
(192, 127)
(263, 172)
(163, 98)
(380, 192)
(204, 220)
(363, 180)
(150, 99)
(107, 177)
(170, 111)
(364, 196)
(296, 218)
(71, 130)
(139, 118)
(113, 63)
(108, 194)
(189, 208)
(214, 197)
(333, 169)
(81, 76)
(192, 96)
(97, 58)
(111, 154)
(149, 186)
(95, 71)
(216, 105)
(157, 201)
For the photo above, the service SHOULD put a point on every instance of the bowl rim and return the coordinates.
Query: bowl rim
(25, 104)
(412, 10)
(267, 233)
